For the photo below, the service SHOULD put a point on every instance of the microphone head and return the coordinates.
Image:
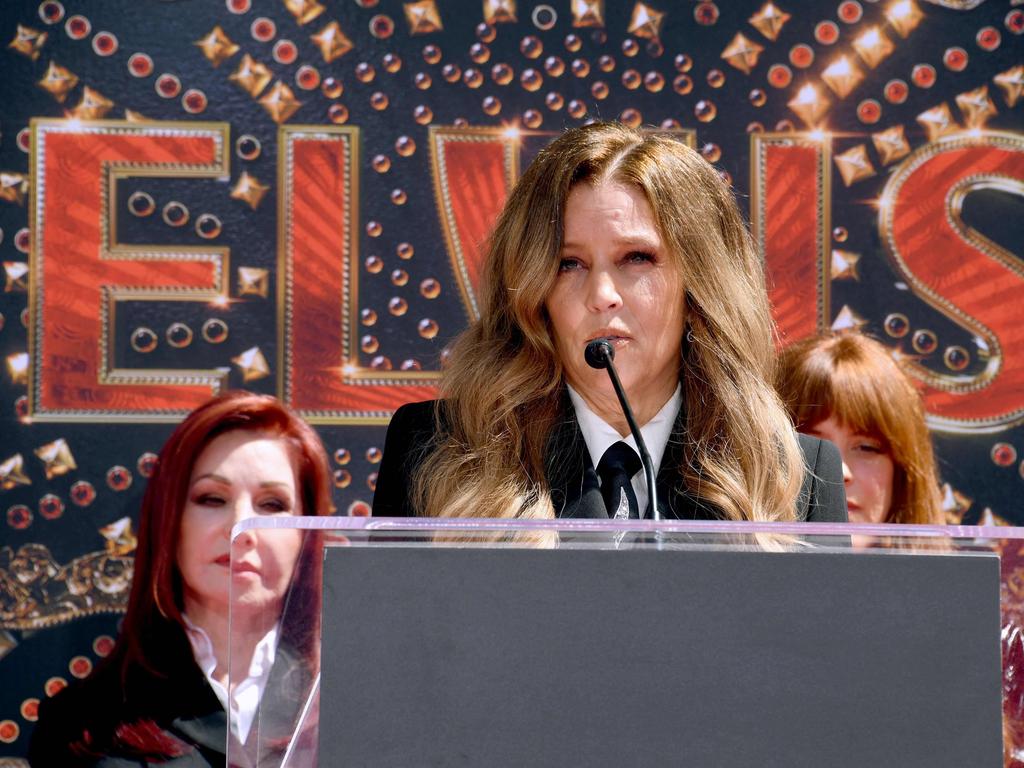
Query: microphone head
(599, 353)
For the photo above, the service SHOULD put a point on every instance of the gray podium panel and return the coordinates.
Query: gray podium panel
(511, 657)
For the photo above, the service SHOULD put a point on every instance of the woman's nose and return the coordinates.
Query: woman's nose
(602, 291)
(847, 474)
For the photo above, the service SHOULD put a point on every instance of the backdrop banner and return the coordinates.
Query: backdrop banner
(293, 196)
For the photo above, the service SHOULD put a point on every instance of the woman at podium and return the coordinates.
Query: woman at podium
(163, 695)
(616, 235)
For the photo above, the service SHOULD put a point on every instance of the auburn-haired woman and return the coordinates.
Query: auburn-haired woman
(612, 233)
(163, 694)
(848, 389)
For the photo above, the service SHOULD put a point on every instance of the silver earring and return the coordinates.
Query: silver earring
(689, 336)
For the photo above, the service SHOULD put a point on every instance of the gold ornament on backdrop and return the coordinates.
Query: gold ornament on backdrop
(17, 367)
(92, 106)
(742, 53)
(938, 122)
(15, 277)
(135, 117)
(904, 15)
(217, 47)
(12, 472)
(842, 76)
(891, 144)
(253, 281)
(844, 265)
(854, 165)
(873, 46)
(280, 102)
(56, 457)
(120, 539)
(848, 320)
(809, 104)
(645, 22)
(332, 42)
(252, 364)
(249, 190)
(13, 187)
(500, 11)
(28, 42)
(976, 107)
(304, 11)
(251, 76)
(587, 13)
(769, 20)
(422, 17)
(58, 81)
(1011, 82)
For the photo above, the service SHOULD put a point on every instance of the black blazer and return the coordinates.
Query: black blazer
(172, 719)
(573, 481)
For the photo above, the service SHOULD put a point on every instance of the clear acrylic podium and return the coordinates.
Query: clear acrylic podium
(580, 642)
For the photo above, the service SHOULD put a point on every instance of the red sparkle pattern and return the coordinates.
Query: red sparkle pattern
(955, 59)
(30, 709)
(194, 101)
(104, 44)
(19, 517)
(988, 38)
(168, 86)
(51, 507)
(238, 6)
(705, 13)
(826, 32)
(9, 731)
(80, 666)
(54, 686)
(924, 75)
(263, 29)
(1015, 21)
(869, 111)
(801, 55)
(896, 91)
(307, 78)
(850, 11)
(140, 65)
(285, 52)
(103, 645)
(77, 27)
(1004, 455)
(779, 75)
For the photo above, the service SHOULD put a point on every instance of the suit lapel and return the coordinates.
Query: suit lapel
(575, 490)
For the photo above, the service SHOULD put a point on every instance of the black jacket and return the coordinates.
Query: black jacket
(573, 481)
(171, 719)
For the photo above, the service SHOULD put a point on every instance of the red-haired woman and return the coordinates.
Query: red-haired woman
(848, 389)
(163, 694)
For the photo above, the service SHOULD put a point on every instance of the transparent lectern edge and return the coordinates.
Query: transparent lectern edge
(879, 530)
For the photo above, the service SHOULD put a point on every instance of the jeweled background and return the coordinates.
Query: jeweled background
(869, 89)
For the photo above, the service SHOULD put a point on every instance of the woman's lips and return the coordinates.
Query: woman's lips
(239, 566)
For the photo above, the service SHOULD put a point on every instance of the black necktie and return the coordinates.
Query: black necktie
(616, 468)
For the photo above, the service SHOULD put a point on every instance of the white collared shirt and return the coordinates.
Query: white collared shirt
(243, 700)
(599, 436)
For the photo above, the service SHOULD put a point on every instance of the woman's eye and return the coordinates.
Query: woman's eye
(568, 265)
(210, 500)
(870, 448)
(274, 506)
(639, 257)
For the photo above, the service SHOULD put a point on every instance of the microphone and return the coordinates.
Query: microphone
(599, 354)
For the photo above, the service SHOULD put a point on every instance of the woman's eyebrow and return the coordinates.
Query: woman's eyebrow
(212, 476)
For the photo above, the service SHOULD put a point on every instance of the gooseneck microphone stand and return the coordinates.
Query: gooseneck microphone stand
(599, 354)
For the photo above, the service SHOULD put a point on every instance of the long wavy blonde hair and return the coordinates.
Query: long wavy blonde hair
(503, 388)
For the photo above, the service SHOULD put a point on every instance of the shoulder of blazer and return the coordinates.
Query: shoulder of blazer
(410, 438)
(822, 496)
